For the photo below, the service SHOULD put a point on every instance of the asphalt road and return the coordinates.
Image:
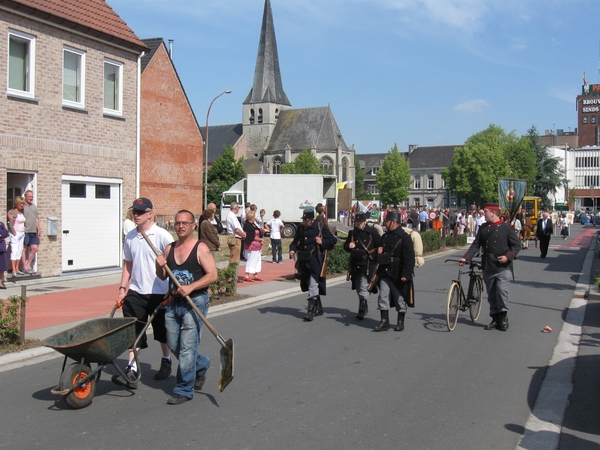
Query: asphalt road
(329, 384)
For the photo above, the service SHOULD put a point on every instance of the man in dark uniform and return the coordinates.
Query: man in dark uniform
(396, 265)
(499, 246)
(308, 248)
(362, 244)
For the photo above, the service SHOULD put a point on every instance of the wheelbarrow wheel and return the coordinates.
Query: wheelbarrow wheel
(80, 396)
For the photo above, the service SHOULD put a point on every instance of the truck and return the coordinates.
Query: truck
(288, 193)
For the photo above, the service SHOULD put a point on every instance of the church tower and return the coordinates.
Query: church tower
(266, 98)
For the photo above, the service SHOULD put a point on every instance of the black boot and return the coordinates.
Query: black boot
(318, 306)
(384, 325)
(400, 324)
(493, 324)
(502, 321)
(362, 309)
(311, 309)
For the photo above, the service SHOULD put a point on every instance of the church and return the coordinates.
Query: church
(273, 133)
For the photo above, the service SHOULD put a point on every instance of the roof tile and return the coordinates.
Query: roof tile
(95, 17)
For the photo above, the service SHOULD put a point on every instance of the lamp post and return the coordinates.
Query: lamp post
(227, 91)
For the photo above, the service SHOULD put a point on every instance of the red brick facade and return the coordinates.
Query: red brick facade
(171, 159)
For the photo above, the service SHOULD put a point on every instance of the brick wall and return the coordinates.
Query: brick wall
(171, 153)
(43, 138)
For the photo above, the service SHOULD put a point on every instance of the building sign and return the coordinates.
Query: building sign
(590, 89)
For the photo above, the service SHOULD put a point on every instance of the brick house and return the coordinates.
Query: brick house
(69, 70)
(171, 152)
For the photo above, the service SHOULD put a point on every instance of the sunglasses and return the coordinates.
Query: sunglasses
(138, 213)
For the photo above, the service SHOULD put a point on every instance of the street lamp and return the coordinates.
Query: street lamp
(227, 91)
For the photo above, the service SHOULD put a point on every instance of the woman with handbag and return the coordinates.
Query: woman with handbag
(253, 243)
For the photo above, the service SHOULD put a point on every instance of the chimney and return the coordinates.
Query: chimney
(171, 48)
(412, 147)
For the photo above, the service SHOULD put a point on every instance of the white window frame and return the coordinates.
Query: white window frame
(119, 110)
(30, 92)
(430, 182)
(417, 184)
(80, 81)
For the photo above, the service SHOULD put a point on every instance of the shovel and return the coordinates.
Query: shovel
(226, 375)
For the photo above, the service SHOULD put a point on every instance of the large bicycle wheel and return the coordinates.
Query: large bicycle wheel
(453, 306)
(475, 302)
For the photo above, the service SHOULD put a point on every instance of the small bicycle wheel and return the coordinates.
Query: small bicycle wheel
(453, 306)
(80, 396)
(475, 308)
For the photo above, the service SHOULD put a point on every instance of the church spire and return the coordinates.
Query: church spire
(267, 86)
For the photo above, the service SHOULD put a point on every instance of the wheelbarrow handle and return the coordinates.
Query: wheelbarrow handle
(187, 297)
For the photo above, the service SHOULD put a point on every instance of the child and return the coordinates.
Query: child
(275, 225)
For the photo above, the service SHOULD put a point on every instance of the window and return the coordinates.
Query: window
(251, 116)
(585, 119)
(73, 77)
(593, 119)
(417, 203)
(430, 182)
(374, 170)
(21, 64)
(327, 163)
(260, 115)
(276, 165)
(113, 87)
(103, 191)
(417, 183)
(372, 189)
(345, 169)
(77, 190)
(587, 161)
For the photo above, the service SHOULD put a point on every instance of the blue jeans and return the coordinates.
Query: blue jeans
(277, 250)
(184, 330)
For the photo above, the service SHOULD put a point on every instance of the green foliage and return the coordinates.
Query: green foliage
(305, 163)
(226, 283)
(487, 156)
(223, 174)
(460, 240)
(597, 281)
(359, 182)
(337, 261)
(549, 174)
(10, 323)
(393, 178)
(432, 241)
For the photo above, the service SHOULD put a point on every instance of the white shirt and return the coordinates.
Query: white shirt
(275, 225)
(143, 279)
(232, 223)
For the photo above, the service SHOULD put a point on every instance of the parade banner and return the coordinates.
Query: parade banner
(511, 193)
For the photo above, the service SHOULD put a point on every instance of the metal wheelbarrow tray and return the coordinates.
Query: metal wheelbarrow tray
(98, 341)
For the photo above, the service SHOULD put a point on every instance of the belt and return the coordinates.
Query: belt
(491, 255)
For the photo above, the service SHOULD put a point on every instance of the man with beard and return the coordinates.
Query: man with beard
(308, 248)
(396, 265)
(362, 244)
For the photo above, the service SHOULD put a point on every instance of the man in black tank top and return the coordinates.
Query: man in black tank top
(194, 267)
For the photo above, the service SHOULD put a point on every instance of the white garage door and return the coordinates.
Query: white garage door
(91, 228)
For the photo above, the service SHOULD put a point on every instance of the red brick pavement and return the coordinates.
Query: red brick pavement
(58, 308)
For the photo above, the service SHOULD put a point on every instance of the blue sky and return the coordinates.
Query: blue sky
(427, 72)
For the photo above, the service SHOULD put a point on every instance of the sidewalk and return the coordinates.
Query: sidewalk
(58, 303)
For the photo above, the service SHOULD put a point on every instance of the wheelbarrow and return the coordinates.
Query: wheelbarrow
(97, 341)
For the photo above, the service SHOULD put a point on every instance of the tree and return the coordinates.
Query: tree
(549, 174)
(487, 156)
(305, 163)
(359, 181)
(393, 178)
(223, 174)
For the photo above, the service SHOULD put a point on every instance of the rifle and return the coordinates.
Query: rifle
(374, 279)
(323, 273)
